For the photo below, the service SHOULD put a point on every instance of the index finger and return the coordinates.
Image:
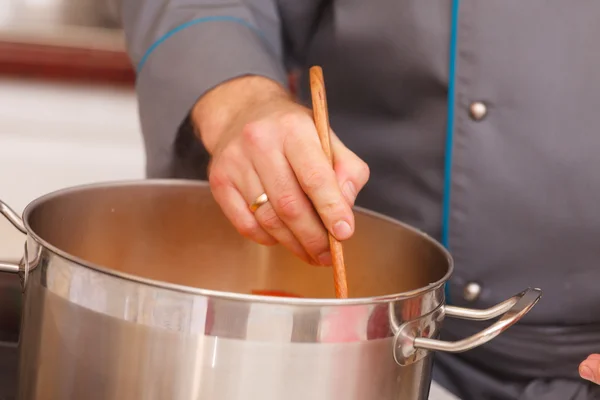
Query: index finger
(317, 178)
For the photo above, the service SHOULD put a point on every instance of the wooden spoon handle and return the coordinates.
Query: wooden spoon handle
(321, 116)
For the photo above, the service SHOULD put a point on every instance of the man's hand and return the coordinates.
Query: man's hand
(261, 141)
(590, 369)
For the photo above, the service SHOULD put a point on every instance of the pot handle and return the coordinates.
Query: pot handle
(17, 222)
(513, 309)
(408, 343)
(6, 266)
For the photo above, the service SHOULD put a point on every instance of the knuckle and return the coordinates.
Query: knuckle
(289, 206)
(291, 120)
(281, 182)
(314, 180)
(217, 179)
(253, 133)
(334, 209)
(363, 172)
(270, 220)
(248, 228)
(316, 243)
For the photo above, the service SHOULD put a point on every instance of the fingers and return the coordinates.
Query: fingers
(590, 368)
(267, 217)
(316, 177)
(289, 202)
(289, 215)
(279, 153)
(236, 185)
(233, 204)
(236, 210)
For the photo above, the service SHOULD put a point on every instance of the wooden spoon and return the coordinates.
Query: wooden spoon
(321, 116)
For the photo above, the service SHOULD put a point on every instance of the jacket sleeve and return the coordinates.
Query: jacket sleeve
(183, 48)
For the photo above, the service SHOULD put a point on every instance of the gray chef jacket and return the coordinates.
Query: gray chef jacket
(478, 119)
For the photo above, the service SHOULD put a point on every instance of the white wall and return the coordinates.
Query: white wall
(56, 135)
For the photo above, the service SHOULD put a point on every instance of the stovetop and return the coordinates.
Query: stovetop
(8, 370)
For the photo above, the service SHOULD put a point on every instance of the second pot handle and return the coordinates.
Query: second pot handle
(408, 340)
(12, 217)
(17, 222)
(521, 304)
(6, 266)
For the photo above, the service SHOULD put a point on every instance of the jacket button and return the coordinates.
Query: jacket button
(471, 291)
(477, 110)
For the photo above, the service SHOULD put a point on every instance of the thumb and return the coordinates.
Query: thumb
(590, 369)
(352, 172)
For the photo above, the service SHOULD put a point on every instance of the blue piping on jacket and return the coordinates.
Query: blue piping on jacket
(450, 130)
(188, 24)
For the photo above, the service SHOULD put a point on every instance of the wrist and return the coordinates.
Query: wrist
(216, 110)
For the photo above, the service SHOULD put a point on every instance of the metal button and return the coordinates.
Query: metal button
(477, 110)
(471, 291)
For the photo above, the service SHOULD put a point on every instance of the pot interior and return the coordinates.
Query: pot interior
(174, 232)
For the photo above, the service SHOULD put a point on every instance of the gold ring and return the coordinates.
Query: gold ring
(260, 200)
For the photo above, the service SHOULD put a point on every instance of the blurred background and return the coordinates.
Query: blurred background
(68, 113)
(68, 116)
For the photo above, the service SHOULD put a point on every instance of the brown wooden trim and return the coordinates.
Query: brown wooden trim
(65, 63)
(74, 64)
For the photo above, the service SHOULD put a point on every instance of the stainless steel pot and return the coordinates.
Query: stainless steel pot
(140, 290)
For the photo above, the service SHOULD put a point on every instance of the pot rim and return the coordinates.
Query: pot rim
(217, 293)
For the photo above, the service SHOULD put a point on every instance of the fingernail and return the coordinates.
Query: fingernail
(342, 230)
(350, 192)
(325, 259)
(586, 373)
